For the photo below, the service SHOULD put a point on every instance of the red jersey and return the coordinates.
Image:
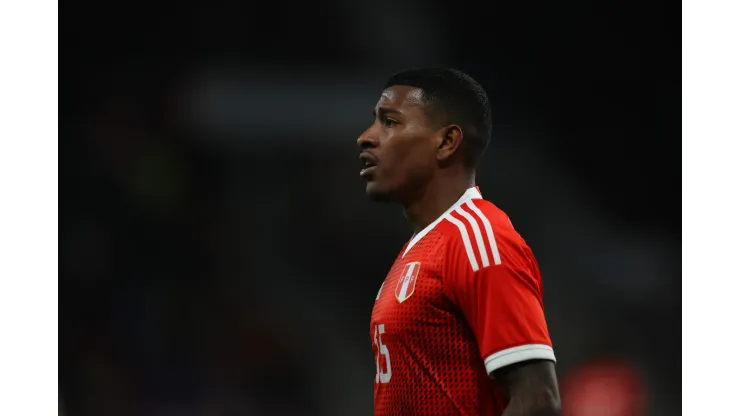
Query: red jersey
(462, 299)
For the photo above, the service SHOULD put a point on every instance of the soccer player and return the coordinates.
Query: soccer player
(458, 326)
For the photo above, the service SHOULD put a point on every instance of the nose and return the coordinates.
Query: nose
(365, 141)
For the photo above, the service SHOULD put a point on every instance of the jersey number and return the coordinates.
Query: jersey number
(381, 376)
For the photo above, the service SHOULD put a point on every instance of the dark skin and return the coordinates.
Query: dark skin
(411, 160)
(532, 387)
(418, 163)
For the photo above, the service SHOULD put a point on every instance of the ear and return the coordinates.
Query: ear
(451, 140)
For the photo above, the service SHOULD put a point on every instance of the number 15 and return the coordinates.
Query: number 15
(381, 376)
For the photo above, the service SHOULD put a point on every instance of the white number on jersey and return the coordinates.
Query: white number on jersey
(381, 376)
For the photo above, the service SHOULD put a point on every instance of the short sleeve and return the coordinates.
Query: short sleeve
(501, 302)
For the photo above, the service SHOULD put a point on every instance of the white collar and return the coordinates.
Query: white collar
(471, 193)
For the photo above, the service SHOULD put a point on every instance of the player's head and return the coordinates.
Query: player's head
(426, 121)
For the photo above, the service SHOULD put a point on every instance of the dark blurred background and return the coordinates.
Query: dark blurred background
(219, 256)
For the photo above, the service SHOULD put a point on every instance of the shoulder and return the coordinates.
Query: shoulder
(478, 235)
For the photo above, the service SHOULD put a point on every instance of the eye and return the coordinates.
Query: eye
(389, 122)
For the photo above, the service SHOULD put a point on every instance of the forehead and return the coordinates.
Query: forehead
(403, 98)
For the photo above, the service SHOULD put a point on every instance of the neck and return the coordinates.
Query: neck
(435, 199)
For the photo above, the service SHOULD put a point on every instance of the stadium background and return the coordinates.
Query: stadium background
(218, 254)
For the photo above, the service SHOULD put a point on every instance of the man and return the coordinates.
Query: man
(458, 326)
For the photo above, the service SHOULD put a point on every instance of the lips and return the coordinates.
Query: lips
(369, 163)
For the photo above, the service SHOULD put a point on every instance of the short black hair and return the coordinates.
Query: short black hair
(453, 97)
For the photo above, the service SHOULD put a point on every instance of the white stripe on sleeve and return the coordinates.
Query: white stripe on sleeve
(478, 237)
(466, 241)
(518, 354)
(489, 231)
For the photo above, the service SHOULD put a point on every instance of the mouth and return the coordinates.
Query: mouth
(367, 171)
(369, 164)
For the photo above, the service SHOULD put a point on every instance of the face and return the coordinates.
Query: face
(399, 149)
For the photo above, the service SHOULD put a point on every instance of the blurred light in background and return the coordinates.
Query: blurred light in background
(604, 388)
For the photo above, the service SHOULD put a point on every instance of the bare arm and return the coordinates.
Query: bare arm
(532, 387)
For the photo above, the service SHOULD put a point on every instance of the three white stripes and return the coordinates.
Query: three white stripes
(477, 234)
(489, 232)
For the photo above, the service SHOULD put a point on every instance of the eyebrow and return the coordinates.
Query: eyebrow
(386, 110)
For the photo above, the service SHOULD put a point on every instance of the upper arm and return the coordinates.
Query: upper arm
(494, 280)
(502, 303)
(532, 388)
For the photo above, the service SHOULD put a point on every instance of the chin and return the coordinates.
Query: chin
(377, 193)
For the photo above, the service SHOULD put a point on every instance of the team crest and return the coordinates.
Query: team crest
(407, 282)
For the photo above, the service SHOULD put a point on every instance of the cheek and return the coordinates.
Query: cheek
(414, 161)
(407, 147)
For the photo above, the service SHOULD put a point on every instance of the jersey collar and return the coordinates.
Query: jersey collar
(471, 193)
